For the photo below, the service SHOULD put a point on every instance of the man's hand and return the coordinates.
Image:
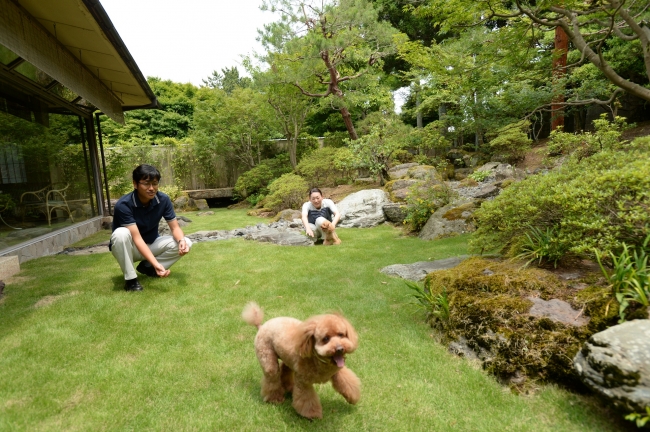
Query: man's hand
(183, 248)
(161, 271)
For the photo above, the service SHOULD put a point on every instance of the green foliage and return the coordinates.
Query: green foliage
(630, 278)
(542, 246)
(174, 120)
(382, 136)
(325, 167)
(479, 176)
(255, 181)
(639, 418)
(606, 136)
(287, 192)
(585, 216)
(236, 127)
(172, 191)
(511, 142)
(422, 201)
(435, 305)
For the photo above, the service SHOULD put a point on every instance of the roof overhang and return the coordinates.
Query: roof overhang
(74, 42)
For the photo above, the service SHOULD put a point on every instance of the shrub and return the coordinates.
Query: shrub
(606, 136)
(594, 203)
(511, 141)
(631, 276)
(172, 191)
(479, 176)
(422, 201)
(287, 192)
(543, 246)
(325, 167)
(256, 180)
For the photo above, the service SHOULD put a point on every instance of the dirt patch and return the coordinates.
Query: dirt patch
(48, 300)
(534, 157)
(641, 129)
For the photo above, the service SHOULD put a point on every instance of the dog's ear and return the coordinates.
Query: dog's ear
(306, 344)
(352, 334)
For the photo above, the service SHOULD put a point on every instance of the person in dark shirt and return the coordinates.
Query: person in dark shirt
(135, 230)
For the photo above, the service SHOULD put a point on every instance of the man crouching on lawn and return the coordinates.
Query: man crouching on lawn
(135, 230)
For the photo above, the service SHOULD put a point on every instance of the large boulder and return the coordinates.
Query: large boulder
(411, 176)
(363, 209)
(451, 220)
(400, 171)
(616, 364)
(419, 270)
(395, 212)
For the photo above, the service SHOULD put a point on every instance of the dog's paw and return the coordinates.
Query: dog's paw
(276, 398)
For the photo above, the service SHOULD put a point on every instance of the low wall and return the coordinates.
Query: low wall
(55, 242)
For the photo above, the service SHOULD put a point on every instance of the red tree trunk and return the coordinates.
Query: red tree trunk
(559, 69)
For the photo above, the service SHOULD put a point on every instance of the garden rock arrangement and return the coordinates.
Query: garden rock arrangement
(405, 177)
(363, 209)
(419, 270)
(616, 364)
(521, 324)
(450, 220)
(282, 233)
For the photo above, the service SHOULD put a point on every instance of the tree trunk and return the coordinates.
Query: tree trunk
(559, 69)
(293, 145)
(347, 119)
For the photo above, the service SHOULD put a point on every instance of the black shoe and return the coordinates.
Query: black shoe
(133, 285)
(146, 269)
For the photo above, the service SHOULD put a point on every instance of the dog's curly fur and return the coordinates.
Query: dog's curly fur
(331, 238)
(311, 351)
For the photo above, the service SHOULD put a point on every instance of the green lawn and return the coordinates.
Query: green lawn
(79, 353)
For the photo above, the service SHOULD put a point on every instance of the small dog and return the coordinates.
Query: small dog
(330, 235)
(311, 351)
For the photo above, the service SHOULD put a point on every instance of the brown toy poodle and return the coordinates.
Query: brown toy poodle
(295, 355)
(330, 234)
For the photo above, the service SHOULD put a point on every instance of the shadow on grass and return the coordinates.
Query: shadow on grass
(152, 284)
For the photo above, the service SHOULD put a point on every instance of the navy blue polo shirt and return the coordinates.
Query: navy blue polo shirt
(129, 210)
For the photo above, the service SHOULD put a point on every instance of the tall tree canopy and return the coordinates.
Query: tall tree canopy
(335, 42)
(598, 30)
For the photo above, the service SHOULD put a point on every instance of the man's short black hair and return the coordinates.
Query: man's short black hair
(146, 172)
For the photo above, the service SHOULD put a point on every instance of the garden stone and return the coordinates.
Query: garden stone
(616, 364)
(400, 171)
(363, 209)
(288, 215)
(207, 213)
(424, 172)
(450, 220)
(201, 204)
(558, 311)
(462, 173)
(285, 238)
(419, 270)
(163, 226)
(181, 202)
(395, 212)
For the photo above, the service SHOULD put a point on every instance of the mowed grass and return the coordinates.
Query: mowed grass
(79, 353)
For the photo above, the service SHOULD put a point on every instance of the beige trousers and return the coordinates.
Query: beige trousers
(164, 248)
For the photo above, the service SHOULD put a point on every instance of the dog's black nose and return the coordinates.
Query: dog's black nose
(339, 349)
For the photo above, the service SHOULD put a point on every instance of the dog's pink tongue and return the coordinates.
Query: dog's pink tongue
(339, 360)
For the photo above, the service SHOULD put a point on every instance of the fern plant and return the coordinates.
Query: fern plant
(630, 278)
(542, 246)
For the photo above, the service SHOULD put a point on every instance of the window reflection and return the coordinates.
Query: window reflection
(43, 177)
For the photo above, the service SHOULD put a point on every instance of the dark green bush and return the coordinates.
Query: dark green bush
(598, 203)
(256, 180)
(325, 167)
(287, 192)
(511, 141)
